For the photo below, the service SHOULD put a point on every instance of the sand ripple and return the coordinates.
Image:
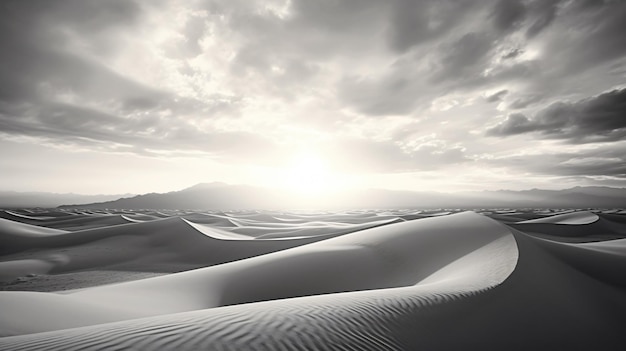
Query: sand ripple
(427, 280)
(371, 318)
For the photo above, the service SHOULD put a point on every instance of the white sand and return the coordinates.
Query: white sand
(454, 281)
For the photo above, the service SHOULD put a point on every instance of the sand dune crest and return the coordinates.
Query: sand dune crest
(573, 218)
(444, 282)
(394, 256)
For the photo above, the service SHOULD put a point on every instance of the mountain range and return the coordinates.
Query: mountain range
(221, 196)
(14, 199)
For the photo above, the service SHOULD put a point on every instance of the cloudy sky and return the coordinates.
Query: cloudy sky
(122, 96)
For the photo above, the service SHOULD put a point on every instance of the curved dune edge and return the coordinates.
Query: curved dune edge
(617, 246)
(130, 219)
(16, 236)
(169, 242)
(604, 227)
(481, 254)
(359, 320)
(27, 217)
(13, 228)
(215, 233)
(70, 222)
(559, 296)
(573, 218)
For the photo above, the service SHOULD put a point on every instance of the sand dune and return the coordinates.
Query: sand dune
(164, 245)
(452, 281)
(32, 216)
(28, 216)
(307, 229)
(617, 247)
(13, 228)
(212, 219)
(505, 218)
(87, 221)
(399, 255)
(71, 221)
(16, 236)
(217, 233)
(574, 227)
(572, 218)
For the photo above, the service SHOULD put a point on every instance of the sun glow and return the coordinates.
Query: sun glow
(308, 174)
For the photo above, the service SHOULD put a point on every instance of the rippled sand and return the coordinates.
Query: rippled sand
(362, 280)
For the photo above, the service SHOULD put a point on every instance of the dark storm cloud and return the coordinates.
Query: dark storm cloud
(188, 44)
(416, 22)
(595, 35)
(515, 123)
(404, 88)
(447, 62)
(318, 31)
(65, 122)
(496, 96)
(508, 14)
(33, 41)
(140, 103)
(314, 30)
(525, 101)
(390, 95)
(38, 66)
(285, 53)
(452, 44)
(574, 165)
(597, 119)
(544, 12)
(336, 16)
(328, 26)
(609, 160)
(24, 21)
(575, 37)
(464, 56)
(194, 31)
(142, 134)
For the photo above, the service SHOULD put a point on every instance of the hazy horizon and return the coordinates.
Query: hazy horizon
(119, 97)
(305, 194)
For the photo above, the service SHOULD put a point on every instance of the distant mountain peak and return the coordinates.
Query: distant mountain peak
(211, 185)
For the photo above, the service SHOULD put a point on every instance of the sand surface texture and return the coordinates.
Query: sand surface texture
(358, 280)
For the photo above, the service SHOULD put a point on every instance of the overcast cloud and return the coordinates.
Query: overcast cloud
(468, 94)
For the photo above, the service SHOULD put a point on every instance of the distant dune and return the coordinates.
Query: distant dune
(353, 280)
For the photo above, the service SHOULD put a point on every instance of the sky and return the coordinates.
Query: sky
(106, 97)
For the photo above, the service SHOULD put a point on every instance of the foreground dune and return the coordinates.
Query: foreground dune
(458, 281)
(398, 255)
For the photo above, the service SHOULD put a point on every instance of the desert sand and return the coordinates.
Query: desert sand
(444, 279)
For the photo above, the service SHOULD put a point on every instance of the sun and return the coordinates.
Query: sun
(309, 174)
